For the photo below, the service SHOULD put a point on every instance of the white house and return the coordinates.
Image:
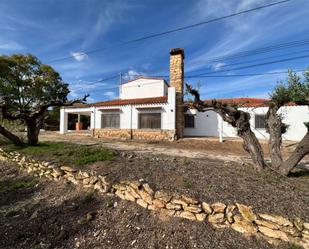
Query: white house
(150, 108)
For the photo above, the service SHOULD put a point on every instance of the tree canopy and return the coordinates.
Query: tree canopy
(27, 89)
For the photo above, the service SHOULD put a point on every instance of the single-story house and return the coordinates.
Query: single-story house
(151, 108)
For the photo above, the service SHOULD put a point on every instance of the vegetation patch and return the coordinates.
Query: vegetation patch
(15, 185)
(64, 153)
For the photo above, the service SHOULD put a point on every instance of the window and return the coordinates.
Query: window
(111, 121)
(260, 121)
(149, 121)
(189, 121)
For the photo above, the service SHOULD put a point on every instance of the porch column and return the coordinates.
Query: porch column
(92, 118)
(220, 129)
(63, 121)
(78, 125)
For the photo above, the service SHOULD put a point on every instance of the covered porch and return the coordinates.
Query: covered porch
(76, 119)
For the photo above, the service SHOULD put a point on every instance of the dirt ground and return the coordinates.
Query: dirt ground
(48, 215)
(209, 148)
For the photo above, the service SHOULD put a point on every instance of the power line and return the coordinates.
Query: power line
(174, 30)
(243, 75)
(257, 65)
(256, 60)
(260, 50)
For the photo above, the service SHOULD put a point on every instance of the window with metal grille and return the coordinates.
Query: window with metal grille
(260, 121)
(111, 121)
(189, 121)
(149, 121)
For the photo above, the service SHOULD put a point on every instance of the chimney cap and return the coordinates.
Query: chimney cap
(175, 51)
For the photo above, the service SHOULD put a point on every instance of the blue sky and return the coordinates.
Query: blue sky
(53, 29)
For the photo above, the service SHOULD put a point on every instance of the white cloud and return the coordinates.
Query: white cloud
(79, 56)
(217, 66)
(245, 32)
(110, 94)
(131, 74)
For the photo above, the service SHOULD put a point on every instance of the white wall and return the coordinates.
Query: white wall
(167, 111)
(294, 116)
(143, 88)
(205, 124)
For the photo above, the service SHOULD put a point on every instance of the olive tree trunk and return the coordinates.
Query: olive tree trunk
(274, 128)
(10, 136)
(250, 142)
(33, 130)
(302, 149)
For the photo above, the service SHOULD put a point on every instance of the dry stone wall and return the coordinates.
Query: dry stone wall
(157, 135)
(238, 217)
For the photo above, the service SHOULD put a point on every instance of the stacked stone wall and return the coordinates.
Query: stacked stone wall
(139, 134)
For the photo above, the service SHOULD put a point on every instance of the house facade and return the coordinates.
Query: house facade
(153, 109)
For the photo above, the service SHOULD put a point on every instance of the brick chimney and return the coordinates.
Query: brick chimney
(177, 80)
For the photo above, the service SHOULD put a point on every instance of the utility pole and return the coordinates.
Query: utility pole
(120, 83)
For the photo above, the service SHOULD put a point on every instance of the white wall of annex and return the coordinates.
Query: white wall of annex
(206, 124)
(143, 88)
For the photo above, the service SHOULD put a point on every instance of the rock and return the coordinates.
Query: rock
(86, 181)
(68, 169)
(172, 206)
(218, 207)
(179, 201)
(128, 196)
(135, 184)
(94, 179)
(145, 196)
(148, 189)
(158, 204)
(277, 219)
(306, 225)
(220, 226)
(276, 234)
(186, 215)
(133, 192)
(305, 234)
(216, 218)
(206, 207)
(291, 231)
(120, 194)
(200, 217)
(152, 207)
(267, 224)
(244, 226)
(163, 196)
(193, 209)
(98, 186)
(189, 200)
(246, 212)
(229, 217)
(119, 186)
(142, 203)
(298, 224)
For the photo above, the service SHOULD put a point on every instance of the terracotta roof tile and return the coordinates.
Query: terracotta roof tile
(119, 102)
(245, 102)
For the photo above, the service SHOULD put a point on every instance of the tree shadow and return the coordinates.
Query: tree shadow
(17, 189)
(302, 170)
(47, 226)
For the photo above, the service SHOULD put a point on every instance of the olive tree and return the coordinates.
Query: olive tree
(27, 89)
(294, 91)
